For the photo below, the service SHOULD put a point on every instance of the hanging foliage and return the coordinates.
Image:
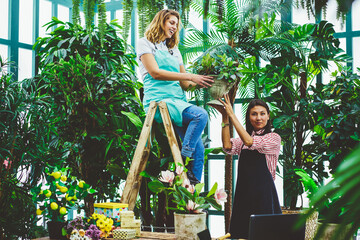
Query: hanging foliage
(315, 7)
(147, 10)
(89, 8)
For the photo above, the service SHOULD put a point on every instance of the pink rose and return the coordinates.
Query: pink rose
(7, 163)
(220, 195)
(167, 176)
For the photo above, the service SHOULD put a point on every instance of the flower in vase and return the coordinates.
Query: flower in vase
(220, 196)
(188, 198)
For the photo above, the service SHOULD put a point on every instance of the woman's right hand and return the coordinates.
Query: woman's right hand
(227, 105)
(201, 80)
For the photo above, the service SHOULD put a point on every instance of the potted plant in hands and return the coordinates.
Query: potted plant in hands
(223, 69)
(190, 202)
(60, 192)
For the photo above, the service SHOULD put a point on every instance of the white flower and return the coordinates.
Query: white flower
(191, 207)
(167, 176)
(179, 170)
(191, 189)
(220, 196)
(186, 183)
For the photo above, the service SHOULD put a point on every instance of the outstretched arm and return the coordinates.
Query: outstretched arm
(152, 67)
(227, 112)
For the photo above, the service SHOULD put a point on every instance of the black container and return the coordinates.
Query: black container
(55, 230)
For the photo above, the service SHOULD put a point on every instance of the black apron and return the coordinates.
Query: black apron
(255, 192)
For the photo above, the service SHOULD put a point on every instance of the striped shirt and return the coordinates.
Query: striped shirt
(268, 144)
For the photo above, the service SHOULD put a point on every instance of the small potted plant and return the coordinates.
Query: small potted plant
(190, 202)
(60, 192)
(222, 68)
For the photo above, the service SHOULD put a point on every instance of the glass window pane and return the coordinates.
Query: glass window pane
(4, 54)
(119, 16)
(4, 19)
(215, 130)
(44, 17)
(216, 225)
(26, 21)
(4, 51)
(63, 13)
(25, 63)
(356, 53)
(331, 16)
(300, 16)
(355, 16)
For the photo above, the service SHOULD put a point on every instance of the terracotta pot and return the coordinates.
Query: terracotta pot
(187, 226)
(55, 230)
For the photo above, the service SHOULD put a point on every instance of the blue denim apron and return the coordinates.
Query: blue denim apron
(166, 91)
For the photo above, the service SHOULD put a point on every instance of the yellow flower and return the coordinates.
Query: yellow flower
(108, 228)
(111, 222)
(100, 223)
(82, 232)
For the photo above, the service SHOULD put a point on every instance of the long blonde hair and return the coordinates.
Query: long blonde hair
(155, 31)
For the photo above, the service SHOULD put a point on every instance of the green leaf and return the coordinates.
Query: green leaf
(134, 119)
(213, 190)
(156, 186)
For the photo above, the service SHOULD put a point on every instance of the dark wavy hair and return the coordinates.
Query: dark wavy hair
(253, 103)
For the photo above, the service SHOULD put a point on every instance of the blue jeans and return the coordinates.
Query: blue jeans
(194, 122)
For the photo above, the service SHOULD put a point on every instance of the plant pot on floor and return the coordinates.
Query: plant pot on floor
(187, 226)
(311, 222)
(55, 230)
(330, 230)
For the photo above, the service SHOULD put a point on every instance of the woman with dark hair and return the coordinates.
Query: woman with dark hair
(258, 149)
(165, 79)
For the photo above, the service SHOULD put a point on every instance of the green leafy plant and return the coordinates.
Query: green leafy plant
(60, 192)
(24, 152)
(89, 86)
(223, 66)
(345, 188)
(187, 198)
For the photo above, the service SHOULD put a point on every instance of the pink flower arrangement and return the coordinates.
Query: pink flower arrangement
(188, 198)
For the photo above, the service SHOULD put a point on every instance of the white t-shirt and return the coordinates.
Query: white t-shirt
(145, 46)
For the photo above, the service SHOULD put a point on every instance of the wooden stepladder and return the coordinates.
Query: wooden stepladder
(142, 152)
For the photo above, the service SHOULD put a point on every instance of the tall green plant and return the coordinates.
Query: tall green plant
(305, 51)
(90, 87)
(233, 32)
(336, 113)
(24, 152)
